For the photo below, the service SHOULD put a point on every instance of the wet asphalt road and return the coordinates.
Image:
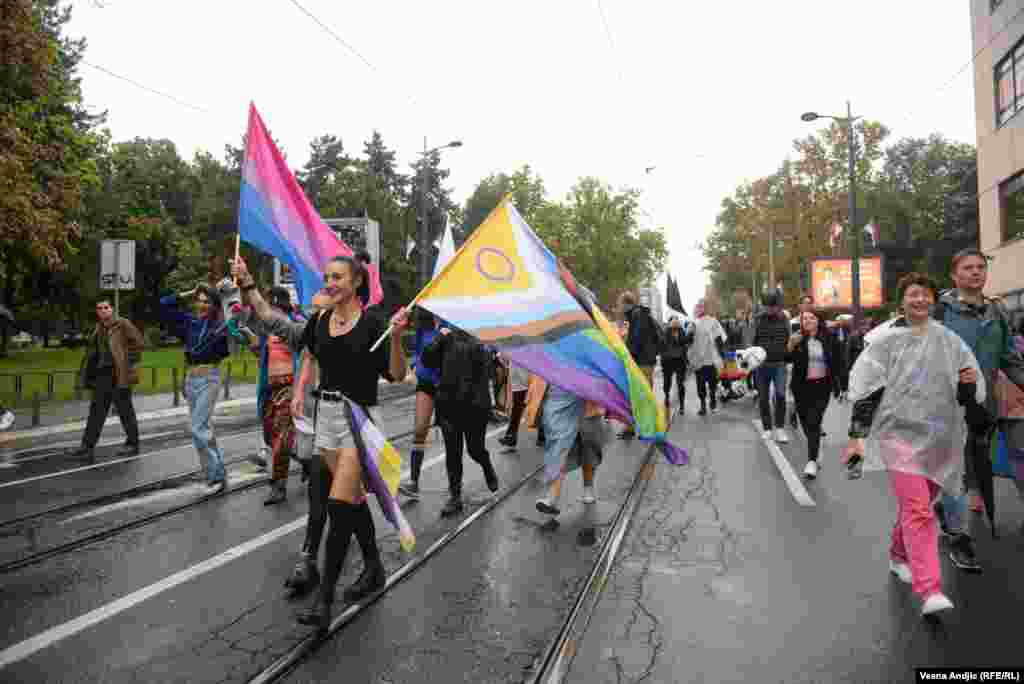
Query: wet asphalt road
(723, 577)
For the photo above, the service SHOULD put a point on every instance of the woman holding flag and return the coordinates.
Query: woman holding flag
(340, 339)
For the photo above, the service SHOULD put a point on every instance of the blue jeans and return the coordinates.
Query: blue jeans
(774, 377)
(202, 391)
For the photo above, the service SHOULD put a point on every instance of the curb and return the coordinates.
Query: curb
(79, 425)
(222, 407)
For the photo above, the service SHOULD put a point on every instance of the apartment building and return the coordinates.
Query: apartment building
(998, 37)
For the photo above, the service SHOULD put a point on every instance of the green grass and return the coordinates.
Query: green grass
(37, 366)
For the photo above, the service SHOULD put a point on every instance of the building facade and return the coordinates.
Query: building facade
(650, 296)
(998, 37)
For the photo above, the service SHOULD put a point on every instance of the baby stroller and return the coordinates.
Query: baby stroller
(732, 377)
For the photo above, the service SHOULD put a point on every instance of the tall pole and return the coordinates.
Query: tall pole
(422, 236)
(855, 257)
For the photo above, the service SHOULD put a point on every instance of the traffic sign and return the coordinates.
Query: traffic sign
(117, 265)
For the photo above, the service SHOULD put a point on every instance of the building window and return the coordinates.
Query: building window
(1011, 204)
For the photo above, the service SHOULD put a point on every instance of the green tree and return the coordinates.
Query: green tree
(527, 191)
(47, 144)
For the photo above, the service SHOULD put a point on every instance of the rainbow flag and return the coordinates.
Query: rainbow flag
(507, 289)
(275, 216)
(382, 466)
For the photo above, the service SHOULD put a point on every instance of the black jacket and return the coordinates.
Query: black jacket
(465, 367)
(798, 357)
(644, 337)
(677, 344)
(771, 334)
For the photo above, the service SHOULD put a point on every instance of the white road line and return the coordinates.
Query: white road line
(149, 454)
(796, 487)
(43, 640)
(106, 464)
(233, 479)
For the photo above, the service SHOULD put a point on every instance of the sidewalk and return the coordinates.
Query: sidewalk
(70, 416)
(726, 576)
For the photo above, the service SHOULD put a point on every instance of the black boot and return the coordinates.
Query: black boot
(338, 536)
(454, 505)
(373, 577)
(304, 577)
(703, 408)
(84, 453)
(278, 493)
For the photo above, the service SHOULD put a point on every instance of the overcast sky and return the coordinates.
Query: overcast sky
(708, 93)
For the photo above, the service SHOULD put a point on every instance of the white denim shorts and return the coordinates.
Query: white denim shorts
(332, 428)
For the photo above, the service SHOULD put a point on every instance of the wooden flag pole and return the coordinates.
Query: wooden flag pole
(238, 248)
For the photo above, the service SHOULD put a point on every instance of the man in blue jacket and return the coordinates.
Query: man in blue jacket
(983, 324)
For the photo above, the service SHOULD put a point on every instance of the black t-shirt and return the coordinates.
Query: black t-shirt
(346, 363)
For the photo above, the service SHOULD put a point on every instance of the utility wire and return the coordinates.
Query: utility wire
(974, 58)
(344, 43)
(145, 87)
(608, 33)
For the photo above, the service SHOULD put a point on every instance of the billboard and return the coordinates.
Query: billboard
(832, 283)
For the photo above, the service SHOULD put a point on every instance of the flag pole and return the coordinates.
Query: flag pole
(238, 247)
(447, 266)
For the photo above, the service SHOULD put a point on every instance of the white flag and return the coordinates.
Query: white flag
(445, 252)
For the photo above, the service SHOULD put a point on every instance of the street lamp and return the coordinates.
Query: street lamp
(422, 235)
(855, 257)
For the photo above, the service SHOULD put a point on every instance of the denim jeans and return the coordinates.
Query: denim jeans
(202, 391)
(773, 376)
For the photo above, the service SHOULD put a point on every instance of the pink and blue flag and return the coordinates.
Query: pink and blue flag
(275, 216)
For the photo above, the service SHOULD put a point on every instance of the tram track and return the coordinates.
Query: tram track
(553, 665)
(115, 530)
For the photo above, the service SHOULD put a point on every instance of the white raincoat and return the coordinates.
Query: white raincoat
(919, 427)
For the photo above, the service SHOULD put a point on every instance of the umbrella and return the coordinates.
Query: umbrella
(983, 476)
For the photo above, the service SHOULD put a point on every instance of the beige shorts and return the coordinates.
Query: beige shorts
(332, 429)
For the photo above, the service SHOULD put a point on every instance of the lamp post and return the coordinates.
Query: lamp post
(423, 236)
(855, 256)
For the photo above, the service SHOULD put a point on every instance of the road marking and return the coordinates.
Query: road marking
(796, 487)
(105, 464)
(149, 454)
(43, 640)
(223, 406)
(200, 489)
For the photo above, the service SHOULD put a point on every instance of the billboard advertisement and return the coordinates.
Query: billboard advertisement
(832, 283)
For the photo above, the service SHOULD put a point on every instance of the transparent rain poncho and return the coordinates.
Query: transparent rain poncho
(919, 426)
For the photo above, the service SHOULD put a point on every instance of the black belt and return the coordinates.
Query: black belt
(328, 395)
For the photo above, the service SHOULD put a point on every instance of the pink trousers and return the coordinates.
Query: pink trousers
(915, 536)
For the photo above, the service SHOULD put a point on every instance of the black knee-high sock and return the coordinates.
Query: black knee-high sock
(318, 488)
(343, 516)
(366, 535)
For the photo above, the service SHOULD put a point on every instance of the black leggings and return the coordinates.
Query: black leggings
(675, 368)
(811, 399)
(463, 426)
(707, 378)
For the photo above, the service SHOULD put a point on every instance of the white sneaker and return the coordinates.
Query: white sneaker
(589, 495)
(6, 420)
(936, 603)
(780, 436)
(766, 434)
(811, 470)
(548, 505)
(902, 572)
(214, 488)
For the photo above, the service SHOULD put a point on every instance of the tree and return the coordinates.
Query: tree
(527, 191)
(47, 141)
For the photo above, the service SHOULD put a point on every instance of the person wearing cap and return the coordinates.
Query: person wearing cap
(982, 323)
(772, 334)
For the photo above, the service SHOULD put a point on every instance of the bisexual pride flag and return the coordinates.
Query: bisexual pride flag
(275, 216)
(508, 290)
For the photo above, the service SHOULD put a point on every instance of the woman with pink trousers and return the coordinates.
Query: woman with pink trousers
(911, 387)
